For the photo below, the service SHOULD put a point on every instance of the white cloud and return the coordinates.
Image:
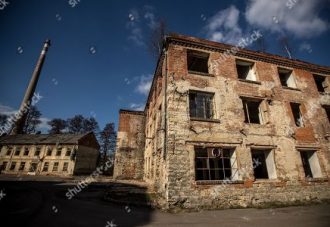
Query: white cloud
(301, 20)
(44, 124)
(137, 106)
(144, 84)
(305, 47)
(6, 110)
(224, 26)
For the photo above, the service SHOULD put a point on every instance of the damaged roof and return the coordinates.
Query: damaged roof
(42, 138)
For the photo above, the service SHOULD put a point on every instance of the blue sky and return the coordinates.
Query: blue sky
(98, 62)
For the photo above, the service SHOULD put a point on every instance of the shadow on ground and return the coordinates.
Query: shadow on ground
(32, 203)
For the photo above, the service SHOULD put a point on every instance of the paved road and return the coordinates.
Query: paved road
(28, 203)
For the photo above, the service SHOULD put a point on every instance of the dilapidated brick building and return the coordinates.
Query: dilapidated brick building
(222, 130)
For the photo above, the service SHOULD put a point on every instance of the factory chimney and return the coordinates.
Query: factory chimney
(26, 103)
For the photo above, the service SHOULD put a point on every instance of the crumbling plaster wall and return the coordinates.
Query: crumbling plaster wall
(278, 131)
(129, 155)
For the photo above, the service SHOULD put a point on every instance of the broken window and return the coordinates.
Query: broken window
(263, 164)
(58, 151)
(9, 150)
(197, 61)
(252, 111)
(320, 82)
(4, 166)
(13, 166)
(65, 166)
(45, 167)
(22, 166)
(297, 116)
(26, 151)
(286, 78)
(49, 151)
(55, 167)
(310, 164)
(327, 111)
(201, 105)
(17, 151)
(215, 164)
(33, 167)
(37, 152)
(245, 70)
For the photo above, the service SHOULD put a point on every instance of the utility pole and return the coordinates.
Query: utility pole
(26, 103)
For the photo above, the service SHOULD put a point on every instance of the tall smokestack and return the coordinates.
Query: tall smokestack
(24, 108)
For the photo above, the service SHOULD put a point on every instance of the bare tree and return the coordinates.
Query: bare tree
(3, 119)
(57, 125)
(32, 121)
(156, 40)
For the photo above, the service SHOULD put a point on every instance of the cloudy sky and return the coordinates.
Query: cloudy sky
(99, 63)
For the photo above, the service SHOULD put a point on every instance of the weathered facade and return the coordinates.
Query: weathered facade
(59, 154)
(237, 130)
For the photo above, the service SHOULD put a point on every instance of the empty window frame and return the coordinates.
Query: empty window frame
(65, 166)
(201, 105)
(17, 151)
(22, 166)
(245, 70)
(296, 113)
(197, 61)
(49, 151)
(33, 167)
(55, 167)
(263, 164)
(37, 152)
(252, 111)
(9, 150)
(45, 167)
(215, 164)
(68, 152)
(320, 82)
(286, 78)
(12, 166)
(4, 166)
(26, 151)
(310, 164)
(58, 151)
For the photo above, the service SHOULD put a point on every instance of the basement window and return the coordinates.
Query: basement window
(245, 70)
(310, 164)
(286, 78)
(252, 111)
(297, 116)
(201, 105)
(215, 164)
(45, 167)
(263, 164)
(197, 61)
(320, 82)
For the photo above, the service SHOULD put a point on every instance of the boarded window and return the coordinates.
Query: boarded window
(263, 164)
(245, 70)
(214, 164)
(201, 105)
(297, 116)
(310, 164)
(252, 111)
(286, 78)
(197, 61)
(320, 82)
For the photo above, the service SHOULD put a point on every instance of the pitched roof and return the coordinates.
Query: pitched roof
(42, 138)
